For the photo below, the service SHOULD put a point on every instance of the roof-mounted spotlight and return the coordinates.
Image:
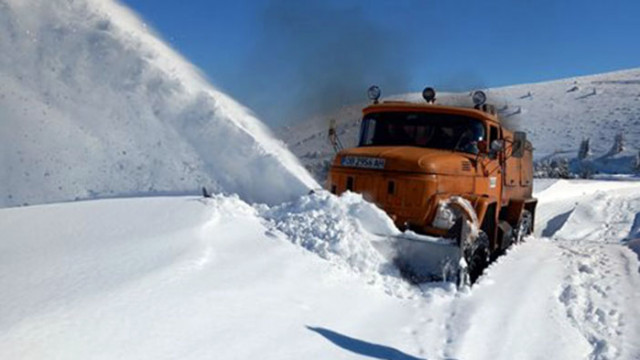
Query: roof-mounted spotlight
(429, 94)
(374, 93)
(479, 98)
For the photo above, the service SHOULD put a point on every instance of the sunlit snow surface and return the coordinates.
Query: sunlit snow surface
(188, 277)
(92, 104)
(97, 106)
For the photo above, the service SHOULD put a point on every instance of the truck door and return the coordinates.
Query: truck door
(526, 168)
(512, 165)
(494, 166)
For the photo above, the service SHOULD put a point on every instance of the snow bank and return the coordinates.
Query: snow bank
(588, 210)
(181, 278)
(93, 104)
(342, 230)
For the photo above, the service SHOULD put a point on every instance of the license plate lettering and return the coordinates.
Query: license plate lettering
(363, 162)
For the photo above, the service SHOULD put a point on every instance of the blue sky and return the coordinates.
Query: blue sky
(286, 58)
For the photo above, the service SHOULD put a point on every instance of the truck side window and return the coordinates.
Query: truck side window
(493, 133)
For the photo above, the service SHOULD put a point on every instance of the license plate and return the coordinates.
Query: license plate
(363, 162)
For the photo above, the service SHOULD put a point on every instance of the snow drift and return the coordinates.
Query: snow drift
(93, 104)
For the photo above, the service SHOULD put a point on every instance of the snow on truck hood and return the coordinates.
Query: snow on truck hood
(94, 104)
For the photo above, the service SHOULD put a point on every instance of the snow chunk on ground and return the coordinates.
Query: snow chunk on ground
(341, 230)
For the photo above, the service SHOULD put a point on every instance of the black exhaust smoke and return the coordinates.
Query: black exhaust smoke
(312, 58)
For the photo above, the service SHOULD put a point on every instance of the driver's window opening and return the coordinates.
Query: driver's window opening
(493, 133)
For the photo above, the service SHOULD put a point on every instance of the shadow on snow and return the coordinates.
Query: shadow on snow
(362, 347)
(556, 223)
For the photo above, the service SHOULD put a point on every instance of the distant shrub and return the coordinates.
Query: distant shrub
(554, 168)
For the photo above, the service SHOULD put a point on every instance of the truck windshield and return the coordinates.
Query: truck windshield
(430, 130)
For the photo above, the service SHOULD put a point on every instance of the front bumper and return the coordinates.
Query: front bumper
(408, 198)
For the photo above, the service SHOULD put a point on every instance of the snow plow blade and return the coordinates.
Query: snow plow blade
(423, 258)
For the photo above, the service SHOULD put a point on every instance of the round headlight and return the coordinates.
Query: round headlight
(429, 94)
(374, 93)
(479, 97)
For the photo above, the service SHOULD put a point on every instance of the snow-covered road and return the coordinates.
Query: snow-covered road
(188, 278)
(571, 295)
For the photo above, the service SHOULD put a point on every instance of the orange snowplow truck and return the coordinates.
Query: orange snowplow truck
(430, 166)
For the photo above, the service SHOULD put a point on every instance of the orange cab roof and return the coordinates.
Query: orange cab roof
(429, 108)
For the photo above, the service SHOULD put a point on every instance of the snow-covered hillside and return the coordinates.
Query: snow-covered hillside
(556, 115)
(93, 104)
(187, 277)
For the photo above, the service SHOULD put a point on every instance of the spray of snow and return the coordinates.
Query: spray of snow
(473, 227)
(93, 104)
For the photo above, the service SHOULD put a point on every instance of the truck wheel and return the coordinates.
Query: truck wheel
(523, 228)
(476, 256)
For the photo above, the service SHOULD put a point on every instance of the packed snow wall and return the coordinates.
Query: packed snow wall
(93, 104)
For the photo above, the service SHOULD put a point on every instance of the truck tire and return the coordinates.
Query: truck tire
(523, 228)
(477, 258)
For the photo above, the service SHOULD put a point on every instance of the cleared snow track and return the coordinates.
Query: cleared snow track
(601, 286)
(600, 294)
(514, 312)
(573, 295)
(551, 299)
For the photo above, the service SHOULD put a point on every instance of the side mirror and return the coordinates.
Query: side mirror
(519, 141)
(333, 136)
(495, 147)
